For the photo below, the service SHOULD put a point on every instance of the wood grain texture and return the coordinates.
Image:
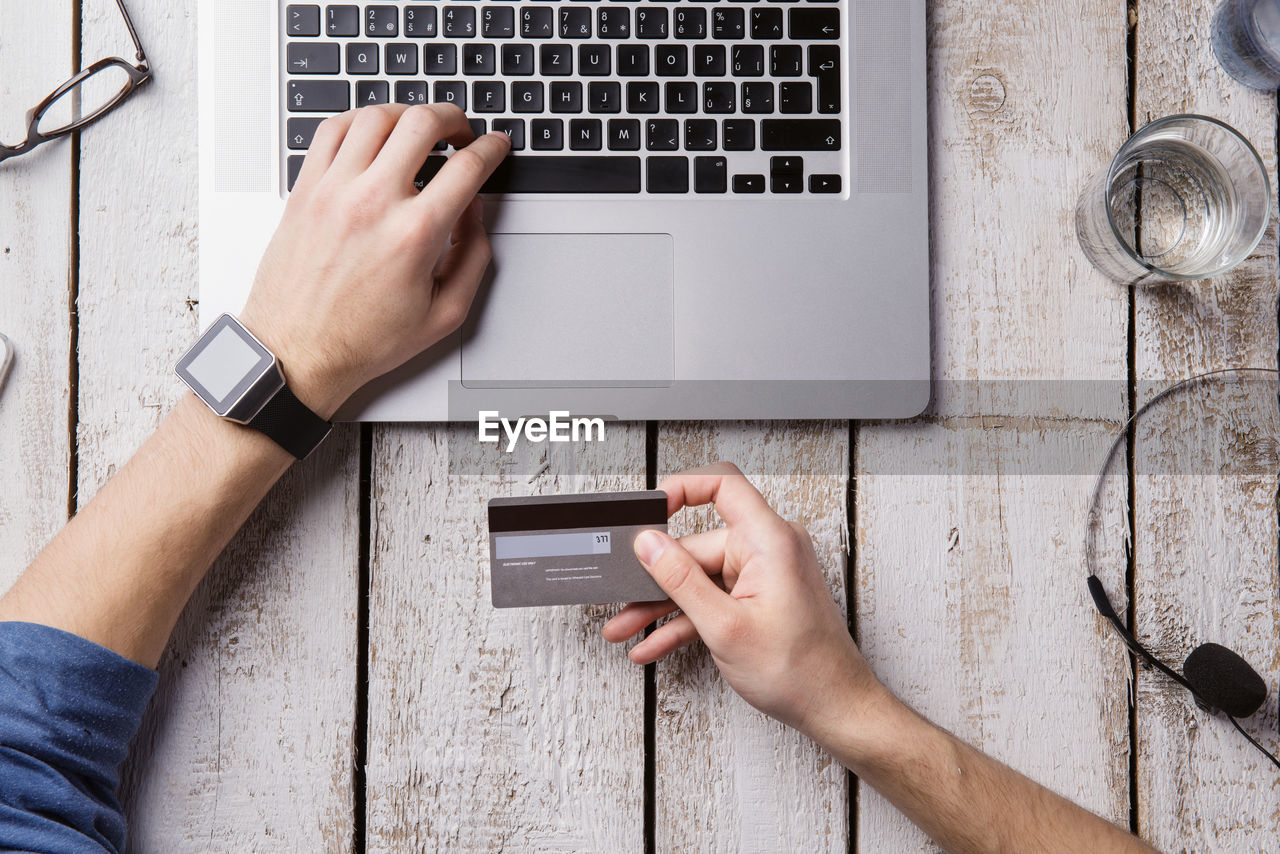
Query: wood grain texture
(1205, 549)
(728, 778)
(35, 239)
(971, 602)
(492, 730)
(248, 744)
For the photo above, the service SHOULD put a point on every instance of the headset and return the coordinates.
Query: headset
(1218, 679)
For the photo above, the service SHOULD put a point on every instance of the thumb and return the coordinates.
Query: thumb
(680, 576)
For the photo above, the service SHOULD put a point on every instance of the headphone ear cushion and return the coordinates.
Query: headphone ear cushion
(1224, 680)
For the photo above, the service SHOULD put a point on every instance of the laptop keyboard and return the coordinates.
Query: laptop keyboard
(599, 96)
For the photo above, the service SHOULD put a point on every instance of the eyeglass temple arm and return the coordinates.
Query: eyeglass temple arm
(1106, 609)
(133, 33)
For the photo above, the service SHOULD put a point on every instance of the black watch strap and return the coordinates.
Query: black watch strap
(290, 424)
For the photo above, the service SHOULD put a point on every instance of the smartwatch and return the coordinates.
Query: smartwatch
(241, 380)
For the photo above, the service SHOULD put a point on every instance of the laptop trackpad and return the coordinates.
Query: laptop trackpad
(573, 310)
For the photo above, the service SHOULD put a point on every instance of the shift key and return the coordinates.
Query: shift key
(318, 96)
(800, 135)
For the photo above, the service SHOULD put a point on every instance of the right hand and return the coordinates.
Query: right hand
(772, 629)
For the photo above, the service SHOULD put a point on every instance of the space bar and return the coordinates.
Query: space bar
(554, 174)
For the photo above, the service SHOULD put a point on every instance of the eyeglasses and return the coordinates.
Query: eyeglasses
(102, 86)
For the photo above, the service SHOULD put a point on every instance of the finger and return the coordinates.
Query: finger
(461, 177)
(324, 146)
(707, 548)
(632, 619)
(681, 578)
(368, 133)
(416, 133)
(461, 272)
(723, 485)
(665, 640)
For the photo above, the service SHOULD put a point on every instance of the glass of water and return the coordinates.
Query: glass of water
(1186, 197)
(1246, 41)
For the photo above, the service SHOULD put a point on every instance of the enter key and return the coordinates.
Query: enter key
(824, 68)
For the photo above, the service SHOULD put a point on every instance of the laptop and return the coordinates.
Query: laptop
(713, 210)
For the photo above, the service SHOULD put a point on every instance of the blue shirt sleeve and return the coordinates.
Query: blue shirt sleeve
(68, 710)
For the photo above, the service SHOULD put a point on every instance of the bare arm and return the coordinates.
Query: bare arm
(363, 274)
(779, 640)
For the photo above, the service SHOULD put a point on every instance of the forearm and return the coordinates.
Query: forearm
(123, 569)
(964, 800)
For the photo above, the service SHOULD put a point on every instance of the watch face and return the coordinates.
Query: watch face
(224, 364)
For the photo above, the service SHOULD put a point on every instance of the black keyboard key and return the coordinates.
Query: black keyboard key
(498, 22)
(786, 183)
(371, 92)
(411, 92)
(513, 128)
(795, 97)
(757, 97)
(718, 97)
(633, 60)
(294, 166)
(300, 132)
(662, 135)
(604, 96)
(691, 23)
(624, 135)
(566, 96)
(786, 165)
(555, 60)
(517, 59)
(671, 60)
(642, 97)
(748, 60)
(362, 58)
(586, 134)
(651, 23)
(700, 134)
(748, 183)
(739, 134)
(547, 135)
(575, 22)
(440, 59)
(459, 22)
(342, 21)
(420, 22)
(526, 96)
(728, 23)
(537, 22)
(566, 174)
(824, 67)
(479, 59)
(593, 60)
(488, 96)
(682, 97)
(786, 60)
(667, 174)
(613, 22)
(824, 183)
(766, 23)
(710, 175)
(477, 127)
(800, 135)
(312, 58)
(450, 92)
(318, 96)
(402, 58)
(381, 22)
(814, 24)
(708, 60)
(303, 21)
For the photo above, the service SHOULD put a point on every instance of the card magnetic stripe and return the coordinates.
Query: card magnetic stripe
(589, 513)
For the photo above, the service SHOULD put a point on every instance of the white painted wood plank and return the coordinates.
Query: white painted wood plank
(490, 729)
(728, 778)
(971, 602)
(1206, 547)
(248, 744)
(35, 229)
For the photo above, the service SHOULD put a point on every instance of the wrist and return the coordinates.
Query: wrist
(319, 385)
(860, 723)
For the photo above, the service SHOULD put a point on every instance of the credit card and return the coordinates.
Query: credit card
(572, 549)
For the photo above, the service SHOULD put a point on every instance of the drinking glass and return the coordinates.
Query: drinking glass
(1246, 40)
(1186, 197)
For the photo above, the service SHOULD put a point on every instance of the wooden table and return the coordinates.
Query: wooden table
(341, 678)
